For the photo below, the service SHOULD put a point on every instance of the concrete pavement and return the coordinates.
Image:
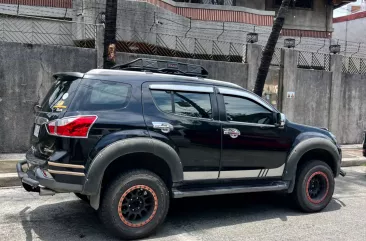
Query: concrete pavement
(265, 216)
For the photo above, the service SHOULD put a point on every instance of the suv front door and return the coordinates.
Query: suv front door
(252, 146)
(186, 117)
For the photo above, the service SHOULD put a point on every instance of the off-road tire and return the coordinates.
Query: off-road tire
(118, 193)
(82, 197)
(303, 195)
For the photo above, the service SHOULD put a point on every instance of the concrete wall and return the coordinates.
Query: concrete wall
(308, 19)
(352, 115)
(231, 72)
(353, 31)
(25, 77)
(36, 11)
(312, 96)
(325, 99)
(257, 4)
(32, 30)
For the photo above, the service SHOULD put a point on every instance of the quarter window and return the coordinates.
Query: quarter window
(244, 110)
(96, 95)
(183, 103)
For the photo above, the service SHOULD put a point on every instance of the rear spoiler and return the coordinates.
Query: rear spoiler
(68, 76)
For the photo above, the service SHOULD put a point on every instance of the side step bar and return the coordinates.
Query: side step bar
(275, 186)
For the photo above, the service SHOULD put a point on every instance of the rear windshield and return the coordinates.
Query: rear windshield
(96, 95)
(59, 96)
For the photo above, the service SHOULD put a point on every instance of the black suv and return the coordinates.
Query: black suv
(127, 140)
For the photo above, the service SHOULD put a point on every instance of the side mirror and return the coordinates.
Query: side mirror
(280, 120)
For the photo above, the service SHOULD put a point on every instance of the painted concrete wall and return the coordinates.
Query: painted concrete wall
(25, 77)
(352, 118)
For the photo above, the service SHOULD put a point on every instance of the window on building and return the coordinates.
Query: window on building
(184, 103)
(297, 3)
(243, 110)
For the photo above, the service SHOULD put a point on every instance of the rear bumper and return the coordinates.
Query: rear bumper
(36, 177)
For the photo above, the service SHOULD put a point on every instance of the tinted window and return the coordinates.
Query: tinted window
(59, 96)
(244, 110)
(185, 103)
(163, 100)
(97, 95)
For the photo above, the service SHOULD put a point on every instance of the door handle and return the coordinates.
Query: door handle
(232, 132)
(163, 126)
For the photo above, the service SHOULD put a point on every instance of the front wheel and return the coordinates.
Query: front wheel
(314, 186)
(135, 204)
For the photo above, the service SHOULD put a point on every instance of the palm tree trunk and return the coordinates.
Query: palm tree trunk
(109, 54)
(270, 48)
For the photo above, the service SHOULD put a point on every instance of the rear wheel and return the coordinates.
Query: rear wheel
(314, 186)
(135, 204)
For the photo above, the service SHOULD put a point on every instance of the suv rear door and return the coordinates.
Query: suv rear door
(185, 116)
(53, 107)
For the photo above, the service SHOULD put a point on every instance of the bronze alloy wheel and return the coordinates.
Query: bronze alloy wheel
(137, 206)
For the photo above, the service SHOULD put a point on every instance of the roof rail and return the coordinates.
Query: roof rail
(163, 66)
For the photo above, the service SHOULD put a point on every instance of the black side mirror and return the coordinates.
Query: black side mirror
(280, 120)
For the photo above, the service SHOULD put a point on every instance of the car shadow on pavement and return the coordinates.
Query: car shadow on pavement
(75, 220)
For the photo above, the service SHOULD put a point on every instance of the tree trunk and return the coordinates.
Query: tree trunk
(109, 54)
(270, 47)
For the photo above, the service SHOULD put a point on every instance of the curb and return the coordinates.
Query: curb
(9, 180)
(356, 161)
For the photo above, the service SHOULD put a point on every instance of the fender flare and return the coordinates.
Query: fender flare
(305, 146)
(105, 157)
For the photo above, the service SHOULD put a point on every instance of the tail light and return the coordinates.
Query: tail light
(76, 126)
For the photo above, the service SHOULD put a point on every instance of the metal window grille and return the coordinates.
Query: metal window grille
(310, 60)
(353, 65)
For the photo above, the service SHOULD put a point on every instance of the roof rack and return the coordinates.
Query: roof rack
(163, 66)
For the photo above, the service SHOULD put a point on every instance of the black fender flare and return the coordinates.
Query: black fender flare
(305, 146)
(106, 156)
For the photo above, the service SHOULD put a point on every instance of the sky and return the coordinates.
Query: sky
(342, 11)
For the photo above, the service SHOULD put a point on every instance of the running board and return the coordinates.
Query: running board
(275, 186)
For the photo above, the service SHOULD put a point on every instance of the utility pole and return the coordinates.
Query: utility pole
(109, 56)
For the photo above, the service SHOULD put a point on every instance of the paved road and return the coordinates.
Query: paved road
(25, 216)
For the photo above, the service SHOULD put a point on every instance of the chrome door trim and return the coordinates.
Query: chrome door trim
(190, 88)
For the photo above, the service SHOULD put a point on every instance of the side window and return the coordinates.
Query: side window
(95, 95)
(244, 110)
(184, 103)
